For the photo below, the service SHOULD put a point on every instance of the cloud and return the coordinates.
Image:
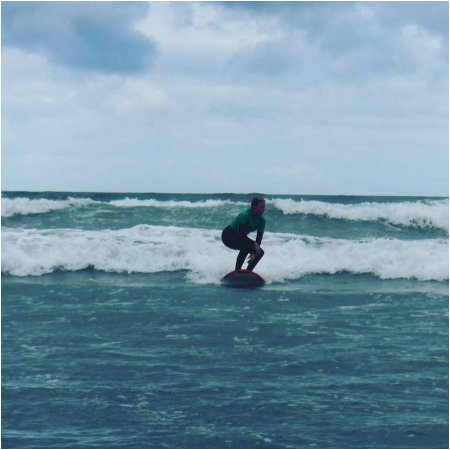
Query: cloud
(424, 48)
(137, 97)
(430, 15)
(323, 18)
(93, 36)
(274, 97)
(314, 42)
(199, 38)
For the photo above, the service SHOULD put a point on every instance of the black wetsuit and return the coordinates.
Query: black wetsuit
(234, 236)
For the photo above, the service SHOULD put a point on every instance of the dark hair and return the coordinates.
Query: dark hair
(256, 201)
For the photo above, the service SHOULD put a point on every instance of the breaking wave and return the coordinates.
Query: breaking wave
(424, 213)
(419, 214)
(150, 249)
(24, 206)
(134, 202)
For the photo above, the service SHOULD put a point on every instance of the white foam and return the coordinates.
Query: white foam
(134, 202)
(150, 249)
(25, 206)
(425, 259)
(425, 213)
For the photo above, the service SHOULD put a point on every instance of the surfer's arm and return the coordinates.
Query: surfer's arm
(259, 237)
(261, 228)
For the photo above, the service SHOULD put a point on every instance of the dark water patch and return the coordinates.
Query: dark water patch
(95, 360)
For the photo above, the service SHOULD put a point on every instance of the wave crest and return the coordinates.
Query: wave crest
(425, 213)
(150, 249)
(134, 202)
(23, 206)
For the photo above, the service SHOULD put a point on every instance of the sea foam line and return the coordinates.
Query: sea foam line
(150, 249)
(153, 203)
(24, 206)
(424, 213)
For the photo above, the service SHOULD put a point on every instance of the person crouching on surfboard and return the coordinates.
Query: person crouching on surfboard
(234, 236)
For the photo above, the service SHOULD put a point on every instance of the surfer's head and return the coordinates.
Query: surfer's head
(258, 206)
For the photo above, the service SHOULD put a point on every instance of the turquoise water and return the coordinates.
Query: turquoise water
(116, 332)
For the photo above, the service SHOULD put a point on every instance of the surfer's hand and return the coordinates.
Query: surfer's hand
(257, 250)
(251, 258)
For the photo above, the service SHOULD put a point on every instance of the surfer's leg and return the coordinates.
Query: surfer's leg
(247, 246)
(252, 265)
(240, 259)
(238, 242)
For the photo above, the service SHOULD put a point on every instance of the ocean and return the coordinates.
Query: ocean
(116, 331)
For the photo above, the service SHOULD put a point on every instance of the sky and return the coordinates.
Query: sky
(338, 98)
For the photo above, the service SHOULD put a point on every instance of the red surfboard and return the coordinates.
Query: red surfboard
(243, 278)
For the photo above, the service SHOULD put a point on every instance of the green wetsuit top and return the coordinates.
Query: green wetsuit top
(246, 222)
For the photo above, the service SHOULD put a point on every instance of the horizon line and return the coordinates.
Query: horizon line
(223, 193)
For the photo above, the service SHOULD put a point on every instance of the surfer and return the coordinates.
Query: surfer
(234, 236)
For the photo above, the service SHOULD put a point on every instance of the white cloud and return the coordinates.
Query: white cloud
(138, 96)
(198, 35)
(425, 49)
(209, 116)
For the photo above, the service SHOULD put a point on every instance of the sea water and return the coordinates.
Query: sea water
(116, 332)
